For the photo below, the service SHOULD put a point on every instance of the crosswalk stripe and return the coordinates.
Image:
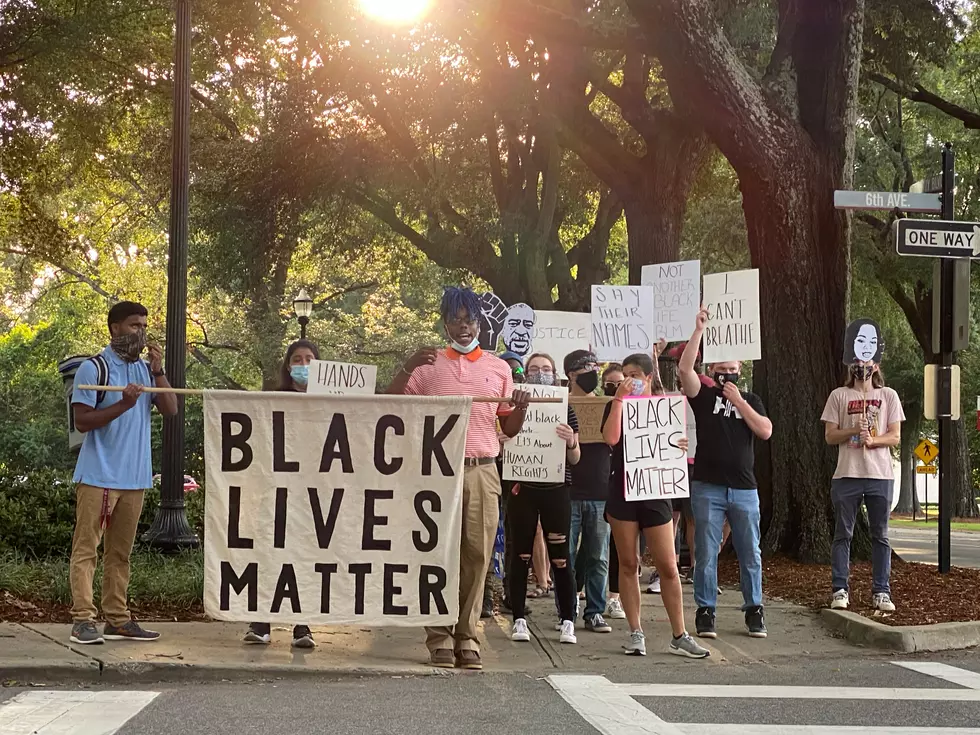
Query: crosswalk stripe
(702, 728)
(71, 712)
(750, 691)
(602, 705)
(952, 674)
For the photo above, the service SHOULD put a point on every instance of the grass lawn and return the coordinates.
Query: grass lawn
(954, 525)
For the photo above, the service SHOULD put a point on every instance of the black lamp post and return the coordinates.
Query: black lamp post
(170, 530)
(303, 306)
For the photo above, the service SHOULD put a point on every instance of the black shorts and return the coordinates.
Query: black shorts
(683, 506)
(647, 513)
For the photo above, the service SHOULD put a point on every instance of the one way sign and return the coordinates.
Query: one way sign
(937, 238)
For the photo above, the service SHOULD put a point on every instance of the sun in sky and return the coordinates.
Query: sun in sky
(396, 11)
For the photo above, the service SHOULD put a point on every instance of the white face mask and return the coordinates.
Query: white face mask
(467, 349)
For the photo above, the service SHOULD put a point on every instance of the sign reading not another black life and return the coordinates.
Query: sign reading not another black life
(333, 510)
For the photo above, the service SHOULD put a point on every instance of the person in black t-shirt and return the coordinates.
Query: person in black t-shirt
(723, 482)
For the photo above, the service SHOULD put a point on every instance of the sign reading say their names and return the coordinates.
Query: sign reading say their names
(589, 411)
(622, 321)
(333, 509)
(557, 333)
(676, 297)
(733, 331)
(341, 378)
(655, 467)
(537, 453)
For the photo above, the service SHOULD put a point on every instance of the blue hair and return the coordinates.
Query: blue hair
(454, 299)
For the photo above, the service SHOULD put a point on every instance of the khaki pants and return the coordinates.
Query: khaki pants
(125, 507)
(481, 493)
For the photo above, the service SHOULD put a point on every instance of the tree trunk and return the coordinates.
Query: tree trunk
(964, 492)
(911, 431)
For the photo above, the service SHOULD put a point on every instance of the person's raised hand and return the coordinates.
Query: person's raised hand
(155, 354)
(658, 349)
(732, 394)
(701, 321)
(424, 356)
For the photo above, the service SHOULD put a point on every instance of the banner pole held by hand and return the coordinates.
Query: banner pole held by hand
(198, 392)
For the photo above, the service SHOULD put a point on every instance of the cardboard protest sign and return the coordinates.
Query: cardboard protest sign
(557, 333)
(655, 468)
(863, 342)
(676, 297)
(341, 378)
(589, 411)
(622, 321)
(733, 331)
(537, 453)
(518, 330)
(492, 313)
(333, 509)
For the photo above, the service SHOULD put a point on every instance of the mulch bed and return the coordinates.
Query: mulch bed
(16, 610)
(921, 595)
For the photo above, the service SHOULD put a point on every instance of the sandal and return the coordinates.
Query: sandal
(537, 593)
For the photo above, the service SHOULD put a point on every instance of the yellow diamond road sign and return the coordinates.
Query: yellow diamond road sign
(927, 451)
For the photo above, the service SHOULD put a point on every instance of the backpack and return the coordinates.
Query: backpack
(102, 373)
(68, 368)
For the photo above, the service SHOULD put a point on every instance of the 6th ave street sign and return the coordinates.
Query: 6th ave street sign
(887, 200)
(933, 238)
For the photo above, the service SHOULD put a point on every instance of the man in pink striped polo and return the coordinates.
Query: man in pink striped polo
(463, 369)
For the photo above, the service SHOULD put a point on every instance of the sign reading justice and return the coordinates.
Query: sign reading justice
(333, 509)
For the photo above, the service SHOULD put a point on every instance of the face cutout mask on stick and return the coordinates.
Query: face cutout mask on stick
(863, 342)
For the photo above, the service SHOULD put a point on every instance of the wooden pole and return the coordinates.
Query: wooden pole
(198, 392)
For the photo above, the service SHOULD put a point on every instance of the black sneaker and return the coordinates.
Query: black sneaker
(130, 631)
(258, 633)
(704, 622)
(303, 637)
(85, 633)
(755, 622)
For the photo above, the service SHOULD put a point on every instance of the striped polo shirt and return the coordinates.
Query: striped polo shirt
(478, 373)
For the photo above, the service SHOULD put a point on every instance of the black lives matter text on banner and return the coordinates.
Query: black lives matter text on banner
(341, 378)
(537, 453)
(622, 321)
(655, 467)
(333, 509)
(734, 328)
(676, 297)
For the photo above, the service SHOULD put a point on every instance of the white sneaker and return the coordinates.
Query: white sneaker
(568, 632)
(883, 601)
(840, 600)
(520, 632)
(637, 645)
(614, 610)
(654, 585)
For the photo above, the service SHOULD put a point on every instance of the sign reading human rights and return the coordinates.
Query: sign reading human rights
(333, 509)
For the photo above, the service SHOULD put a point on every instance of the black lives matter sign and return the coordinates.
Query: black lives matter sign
(333, 509)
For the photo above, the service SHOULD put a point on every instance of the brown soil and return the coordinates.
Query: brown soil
(16, 610)
(921, 595)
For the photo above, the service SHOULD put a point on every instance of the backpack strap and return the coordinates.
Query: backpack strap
(102, 372)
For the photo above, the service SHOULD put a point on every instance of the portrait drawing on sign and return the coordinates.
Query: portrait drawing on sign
(863, 342)
(519, 329)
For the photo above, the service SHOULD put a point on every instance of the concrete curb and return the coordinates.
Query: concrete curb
(902, 638)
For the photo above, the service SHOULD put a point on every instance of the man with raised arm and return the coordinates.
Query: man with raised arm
(723, 482)
(463, 369)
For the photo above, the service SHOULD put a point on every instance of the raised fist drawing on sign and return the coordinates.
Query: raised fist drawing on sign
(492, 315)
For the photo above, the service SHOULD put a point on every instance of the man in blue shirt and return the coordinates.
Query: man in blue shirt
(113, 471)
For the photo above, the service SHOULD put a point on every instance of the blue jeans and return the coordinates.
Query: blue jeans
(846, 494)
(711, 503)
(589, 528)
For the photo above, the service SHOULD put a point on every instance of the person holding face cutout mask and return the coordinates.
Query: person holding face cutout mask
(864, 419)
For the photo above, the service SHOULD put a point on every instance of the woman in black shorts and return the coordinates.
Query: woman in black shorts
(652, 518)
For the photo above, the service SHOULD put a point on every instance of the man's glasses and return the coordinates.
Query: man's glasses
(544, 370)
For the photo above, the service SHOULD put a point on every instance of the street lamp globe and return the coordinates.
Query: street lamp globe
(303, 306)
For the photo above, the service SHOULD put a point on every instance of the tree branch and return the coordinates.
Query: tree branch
(918, 93)
(344, 291)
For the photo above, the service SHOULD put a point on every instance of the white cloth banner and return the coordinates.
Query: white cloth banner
(537, 453)
(734, 327)
(676, 297)
(341, 378)
(556, 333)
(655, 468)
(333, 509)
(622, 321)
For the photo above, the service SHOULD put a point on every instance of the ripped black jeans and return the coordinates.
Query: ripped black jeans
(553, 506)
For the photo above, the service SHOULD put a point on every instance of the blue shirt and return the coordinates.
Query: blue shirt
(116, 456)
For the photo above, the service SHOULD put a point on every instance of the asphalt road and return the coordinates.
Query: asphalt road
(913, 544)
(870, 695)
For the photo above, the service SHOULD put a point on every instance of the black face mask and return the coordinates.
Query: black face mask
(722, 378)
(588, 381)
(862, 372)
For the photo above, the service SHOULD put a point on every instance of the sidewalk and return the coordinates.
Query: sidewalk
(41, 653)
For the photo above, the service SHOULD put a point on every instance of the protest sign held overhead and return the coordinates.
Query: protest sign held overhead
(537, 453)
(733, 331)
(676, 297)
(557, 333)
(333, 509)
(341, 378)
(622, 321)
(655, 467)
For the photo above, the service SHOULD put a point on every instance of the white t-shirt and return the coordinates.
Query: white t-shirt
(882, 408)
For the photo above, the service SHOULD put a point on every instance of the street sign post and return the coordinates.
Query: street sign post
(926, 451)
(902, 200)
(934, 238)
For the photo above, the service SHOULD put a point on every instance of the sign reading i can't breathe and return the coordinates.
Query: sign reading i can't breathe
(733, 331)
(655, 467)
(333, 509)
